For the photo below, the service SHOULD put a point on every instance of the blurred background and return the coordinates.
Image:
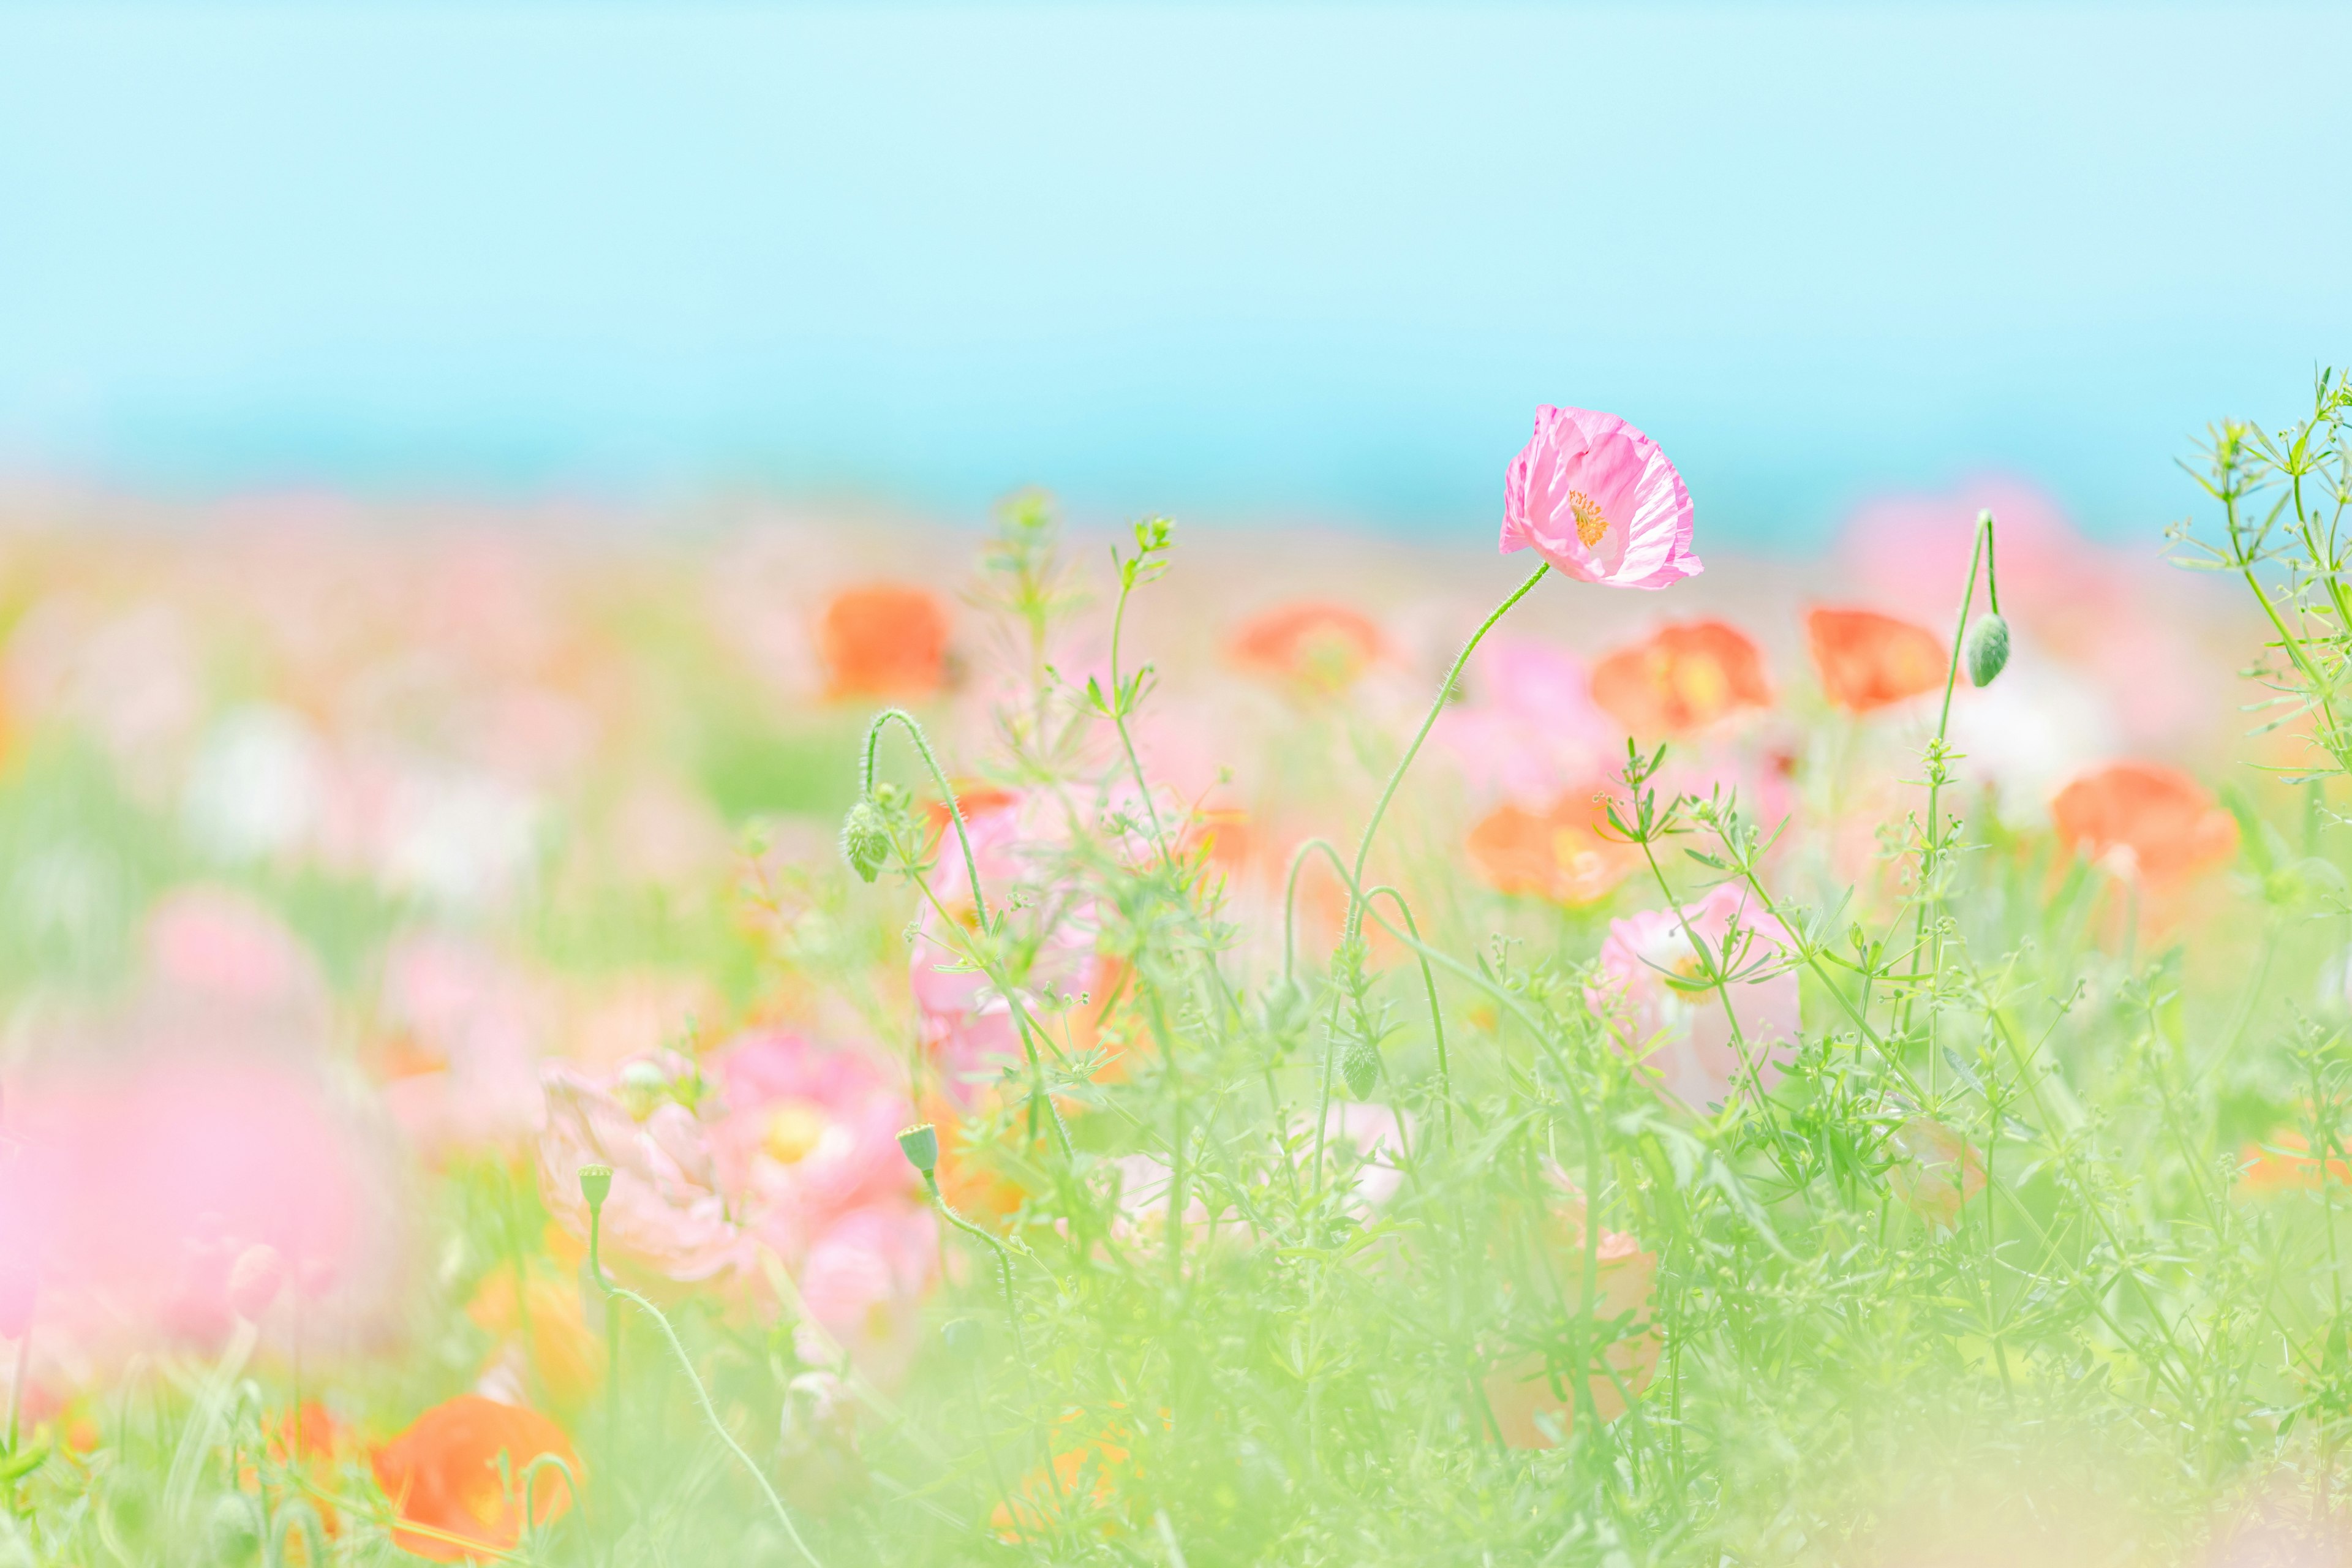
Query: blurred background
(1243, 264)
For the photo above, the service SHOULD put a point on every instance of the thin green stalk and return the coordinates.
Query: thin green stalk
(1931, 852)
(685, 1364)
(1444, 695)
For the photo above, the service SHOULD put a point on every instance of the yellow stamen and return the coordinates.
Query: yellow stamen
(794, 1128)
(1590, 523)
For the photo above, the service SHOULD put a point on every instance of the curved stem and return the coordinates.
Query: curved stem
(1437, 1019)
(1012, 1312)
(947, 792)
(1444, 692)
(686, 1362)
(1931, 854)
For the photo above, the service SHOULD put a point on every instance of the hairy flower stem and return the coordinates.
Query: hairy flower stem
(1444, 695)
(1012, 1313)
(685, 1364)
(900, 717)
(1931, 852)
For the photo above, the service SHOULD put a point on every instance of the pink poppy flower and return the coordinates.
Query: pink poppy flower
(863, 1283)
(1649, 991)
(1531, 730)
(1598, 500)
(466, 1035)
(666, 1212)
(213, 948)
(1936, 1171)
(968, 1025)
(162, 1188)
(807, 1135)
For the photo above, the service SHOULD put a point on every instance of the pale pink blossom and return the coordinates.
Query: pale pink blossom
(1935, 1170)
(666, 1212)
(1598, 501)
(807, 1134)
(216, 948)
(1020, 844)
(863, 1283)
(468, 1032)
(161, 1186)
(1651, 990)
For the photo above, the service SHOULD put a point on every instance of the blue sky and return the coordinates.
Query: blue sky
(1311, 262)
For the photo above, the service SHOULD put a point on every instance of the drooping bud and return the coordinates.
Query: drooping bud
(595, 1184)
(864, 840)
(1986, 648)
(1360, 1064)
(921, 1146)
(255, 1280)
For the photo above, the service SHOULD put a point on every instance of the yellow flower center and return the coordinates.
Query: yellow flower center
(1590, 524)
(794, 1128)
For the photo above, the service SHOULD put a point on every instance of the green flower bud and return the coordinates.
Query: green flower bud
(864, 840)
(595, 1184)
(922, 1147)
(1360, 1064)
(1986, 648)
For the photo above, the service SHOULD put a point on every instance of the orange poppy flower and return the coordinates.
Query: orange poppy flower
(2286, 1165)
(444, 1477)
(308, 1439)
(1867, 660)
(547, 1319)
(885, 639)
(2146, 821)
(1521, 1388)
(1035, 1504)
(1318, 648)
(1680, 678)
(1557, 854)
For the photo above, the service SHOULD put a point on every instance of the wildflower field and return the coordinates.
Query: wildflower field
(818, 1041)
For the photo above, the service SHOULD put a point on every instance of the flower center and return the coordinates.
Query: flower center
(1591, 522)
(794, 1128)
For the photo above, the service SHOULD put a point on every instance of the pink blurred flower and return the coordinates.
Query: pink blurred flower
(1019, 843)
(1531, 730)
(666, 1212)
(211, 946)
(1649, 989)
(255, 1280)
(1598, 501)
(863, 1283)
(1935, 1171)
(1375, 1136)
(467, 1033)
(143, 1178)
(807, 1134)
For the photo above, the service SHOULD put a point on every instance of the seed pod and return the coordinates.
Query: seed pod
(864, 840)
(1986, 648)
(595, 1184)
(1360, 1064)
(921, 1146)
